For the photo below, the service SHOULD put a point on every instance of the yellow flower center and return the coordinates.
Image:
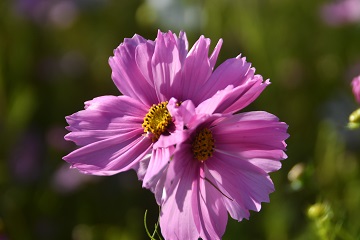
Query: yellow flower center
(203, 145)
(157, 120)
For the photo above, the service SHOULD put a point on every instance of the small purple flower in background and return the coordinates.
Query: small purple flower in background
(222, 166)
(356, 88)
(26, 158)
(58, 13)
(67, 180)
(116, 132)
(354, 118)
(341, 12)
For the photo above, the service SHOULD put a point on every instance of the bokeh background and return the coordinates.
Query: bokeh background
(54, 56)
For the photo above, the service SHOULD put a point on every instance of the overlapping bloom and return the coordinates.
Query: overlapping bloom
(116, 132)
(222, 166)
(356, 88)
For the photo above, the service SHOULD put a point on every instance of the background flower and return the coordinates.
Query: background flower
(356, 88)
(341, 12)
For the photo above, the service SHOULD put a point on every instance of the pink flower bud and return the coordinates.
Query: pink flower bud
(356, 88)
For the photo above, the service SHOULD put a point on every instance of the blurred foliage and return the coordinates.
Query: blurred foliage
(54, 56)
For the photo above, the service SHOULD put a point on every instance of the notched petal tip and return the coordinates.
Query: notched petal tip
(267, 81)
(162, 35)
(214, 55)
(182, 34)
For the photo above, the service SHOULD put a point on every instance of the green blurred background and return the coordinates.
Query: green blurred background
(54, 56)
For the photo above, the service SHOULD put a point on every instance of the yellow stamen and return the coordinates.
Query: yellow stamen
(157, 120)
(203, 145)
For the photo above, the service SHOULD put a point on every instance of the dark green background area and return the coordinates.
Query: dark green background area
(53, 58)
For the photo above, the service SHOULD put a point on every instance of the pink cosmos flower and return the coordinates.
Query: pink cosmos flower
(221, 167)
(356, 88)
(116, 132)
(341, 12)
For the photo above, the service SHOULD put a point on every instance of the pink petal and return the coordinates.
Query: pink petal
(235, 207)
(240, 130)
(257, 137)
(234, 71)
(174, 172)
(105, 117)
(248, 96)
(183, 114)
(174, 138)
(126, 74)
(231, 100)
(110, 156)
(143, 165)
(215, 54)
(159, 191)
(196, 70)
(177, 218)
(166, 66)
(190, 200)
(212, 212)
(245, 183)
(135, 40)
(182, 45)
(164, 179)
(143, 55)
(159, 161)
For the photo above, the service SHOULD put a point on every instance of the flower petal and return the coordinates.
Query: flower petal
(126, 74)
(143, 55)
(176, 218)
(196, 70)
(245, 183)
(110, 156)
(248, 96)
(159, 161)
(236, 208)
(182, 45)
(143, 165)
(215, 54)
(231, 100)
(212, 212)
(257, 137)
(243, 128)
(166, 66)
(190, 200)
(234, 71)
(105, 117)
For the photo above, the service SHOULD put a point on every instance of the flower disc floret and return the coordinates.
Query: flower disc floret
(157, 120)
(203, 145)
